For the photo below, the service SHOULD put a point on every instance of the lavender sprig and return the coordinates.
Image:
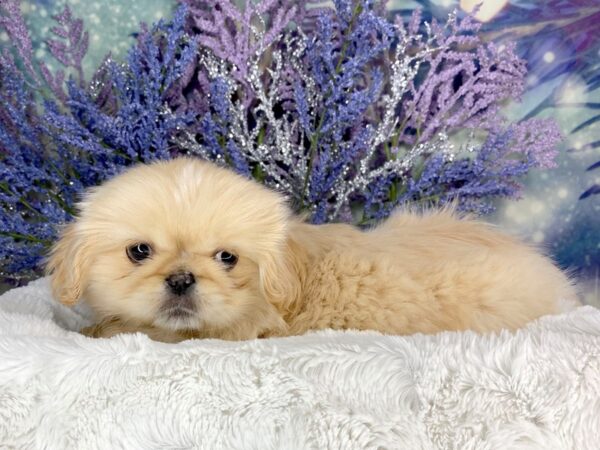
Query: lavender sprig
(69, 49)
(11, 20)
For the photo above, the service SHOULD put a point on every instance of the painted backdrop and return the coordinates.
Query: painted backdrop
(560, 39)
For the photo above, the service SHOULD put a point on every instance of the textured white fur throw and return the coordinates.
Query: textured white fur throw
(537, 388)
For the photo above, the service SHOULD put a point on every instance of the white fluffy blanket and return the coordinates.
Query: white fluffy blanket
(537, 388)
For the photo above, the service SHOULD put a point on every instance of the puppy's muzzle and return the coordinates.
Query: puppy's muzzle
(180, 283)
(179, 304)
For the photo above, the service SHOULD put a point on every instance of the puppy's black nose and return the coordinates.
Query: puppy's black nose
(180, 282)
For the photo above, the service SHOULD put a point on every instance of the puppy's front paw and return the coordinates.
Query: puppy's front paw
(107, 328)
(89, 331)
(113, 326)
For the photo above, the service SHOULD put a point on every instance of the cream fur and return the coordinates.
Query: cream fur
(416, 272)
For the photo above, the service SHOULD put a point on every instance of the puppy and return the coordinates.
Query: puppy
(185, 249)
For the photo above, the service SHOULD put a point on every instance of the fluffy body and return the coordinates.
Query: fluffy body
(416, 272)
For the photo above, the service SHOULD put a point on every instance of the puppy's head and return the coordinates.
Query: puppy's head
(178, 245)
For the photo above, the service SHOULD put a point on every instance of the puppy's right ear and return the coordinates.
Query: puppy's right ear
(68, 266)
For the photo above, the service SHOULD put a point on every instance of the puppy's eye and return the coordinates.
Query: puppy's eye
(226, 258)
(139, 252)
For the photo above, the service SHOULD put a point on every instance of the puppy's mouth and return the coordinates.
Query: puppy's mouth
(178, 313)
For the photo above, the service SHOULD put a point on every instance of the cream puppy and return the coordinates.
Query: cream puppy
(185, 249)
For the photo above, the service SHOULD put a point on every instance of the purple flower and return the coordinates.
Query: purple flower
(494, 171)
(71, 46)
(13, 23)
(228, 31)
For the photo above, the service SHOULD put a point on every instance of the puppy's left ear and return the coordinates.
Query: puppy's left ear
(68, 265)
(280, 279)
